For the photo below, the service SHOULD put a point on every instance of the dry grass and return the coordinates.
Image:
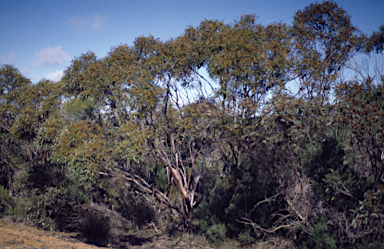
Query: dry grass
(17, 235)
(23, 236)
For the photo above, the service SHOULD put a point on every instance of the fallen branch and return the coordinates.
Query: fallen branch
(269, 199)
(255, 226)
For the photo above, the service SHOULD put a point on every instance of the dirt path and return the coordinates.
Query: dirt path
(16, 235)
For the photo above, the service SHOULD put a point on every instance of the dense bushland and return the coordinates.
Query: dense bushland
(234, 131)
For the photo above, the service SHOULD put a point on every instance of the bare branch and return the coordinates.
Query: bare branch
(255, 226)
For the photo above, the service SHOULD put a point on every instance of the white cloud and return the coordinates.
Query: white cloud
(94, 22)
(11, 57)
(8, 59)
(56, 76)
(29, 75)
(25, 71)
(51, 57)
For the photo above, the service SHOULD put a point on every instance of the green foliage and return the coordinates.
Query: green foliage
(76, 189)
(43, 207)
(135, 209)
(230, 202)
(321, 237)
(54, 197)
(130, 141)
(320, 159)
(41, 176)
(54, 208)
(246, 237)
(9, 206)
(375, 42)
(6, 202)
(370, 211)
(11, 79)
(15, 211)
(12, 84)
(82, 148)
(362, 111)
(217, 232)
(343, 189)
(78, 109)
(324, 40)
(214, 230)
(332, 179)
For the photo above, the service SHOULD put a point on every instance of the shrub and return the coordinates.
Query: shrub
(133, 208)
(217, 232)
(96, 228)
(42, 207)
(8, 206)
(5, 201)
(321, 237)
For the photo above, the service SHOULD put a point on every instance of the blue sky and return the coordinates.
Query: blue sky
(40, 38)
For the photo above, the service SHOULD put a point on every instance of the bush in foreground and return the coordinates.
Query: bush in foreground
(96, 228)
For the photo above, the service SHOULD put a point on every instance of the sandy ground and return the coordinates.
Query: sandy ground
(17, 235)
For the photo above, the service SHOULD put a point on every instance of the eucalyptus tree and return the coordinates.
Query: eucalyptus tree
(325, 39)
(26, 109)
(11, 81)
(360, 108)
(322, 40)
